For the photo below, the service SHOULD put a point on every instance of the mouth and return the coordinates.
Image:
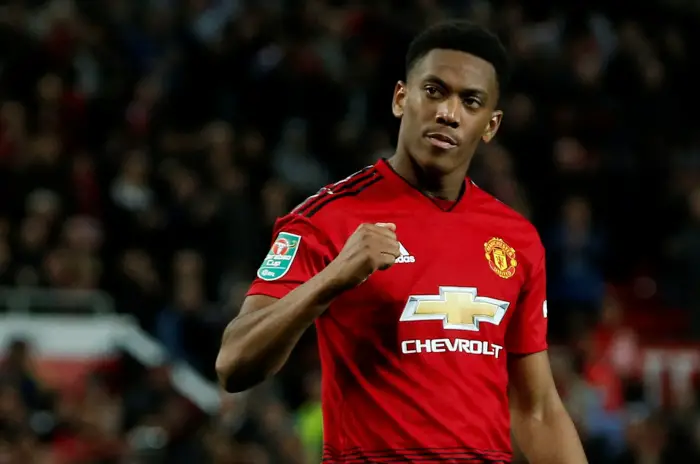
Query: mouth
(441, 140)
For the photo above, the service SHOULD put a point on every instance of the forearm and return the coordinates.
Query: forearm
(256, 344)
(548, 437)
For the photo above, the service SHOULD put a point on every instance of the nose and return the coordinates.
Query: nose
(448, 112)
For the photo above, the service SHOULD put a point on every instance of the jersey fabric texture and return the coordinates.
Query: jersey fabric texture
(414, 359)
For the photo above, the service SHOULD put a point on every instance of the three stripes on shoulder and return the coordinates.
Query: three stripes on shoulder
(348, 187)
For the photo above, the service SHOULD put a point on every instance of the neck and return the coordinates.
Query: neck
(447, 186)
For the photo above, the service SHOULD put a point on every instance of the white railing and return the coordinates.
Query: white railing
(85, 323)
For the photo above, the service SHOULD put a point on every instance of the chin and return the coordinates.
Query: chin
(435, 160)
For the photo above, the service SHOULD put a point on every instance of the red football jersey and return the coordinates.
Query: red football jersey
(414, 359)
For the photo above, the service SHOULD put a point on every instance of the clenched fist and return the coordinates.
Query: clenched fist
(372, 247)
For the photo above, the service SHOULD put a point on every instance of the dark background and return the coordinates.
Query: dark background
(147, 147)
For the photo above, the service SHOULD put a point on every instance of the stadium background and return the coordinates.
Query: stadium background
(146, 148)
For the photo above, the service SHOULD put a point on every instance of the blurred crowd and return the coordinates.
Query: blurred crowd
(147, 147)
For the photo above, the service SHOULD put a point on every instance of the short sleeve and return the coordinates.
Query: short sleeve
(299, 251)
(527, 330)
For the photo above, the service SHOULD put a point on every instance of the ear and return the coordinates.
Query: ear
(492, 126)
(397, 105)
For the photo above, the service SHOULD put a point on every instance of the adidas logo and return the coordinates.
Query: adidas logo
(405, 257)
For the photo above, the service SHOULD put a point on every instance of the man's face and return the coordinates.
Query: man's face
(446, 106)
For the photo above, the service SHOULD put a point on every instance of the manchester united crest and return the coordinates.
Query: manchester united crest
(501, 257)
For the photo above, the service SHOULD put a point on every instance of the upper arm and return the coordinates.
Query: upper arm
(255, 302)
(527, 330)
(299, 251)
(529, 372)
(531, 385)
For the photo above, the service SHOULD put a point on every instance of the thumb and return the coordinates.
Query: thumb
(389, 225)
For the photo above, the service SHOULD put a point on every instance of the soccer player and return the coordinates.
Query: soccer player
(427, 293)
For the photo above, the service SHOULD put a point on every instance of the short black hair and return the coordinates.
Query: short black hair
(464, 36)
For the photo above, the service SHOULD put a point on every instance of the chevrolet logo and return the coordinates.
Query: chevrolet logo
(458, 308)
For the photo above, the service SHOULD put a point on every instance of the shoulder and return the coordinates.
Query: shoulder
(324, 214)
(489, 205)
(341, 196)
(507, 222)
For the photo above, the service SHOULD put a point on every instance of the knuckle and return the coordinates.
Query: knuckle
(365, 232)
(360, 236)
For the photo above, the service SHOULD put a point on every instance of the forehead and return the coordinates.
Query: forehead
(458, 69)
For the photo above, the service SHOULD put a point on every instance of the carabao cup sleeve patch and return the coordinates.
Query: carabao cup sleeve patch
(280, 257)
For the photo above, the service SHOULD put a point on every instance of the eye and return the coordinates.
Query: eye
(432, 91)
(472, 102)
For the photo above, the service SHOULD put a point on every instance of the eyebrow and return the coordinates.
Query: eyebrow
(470, 91)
